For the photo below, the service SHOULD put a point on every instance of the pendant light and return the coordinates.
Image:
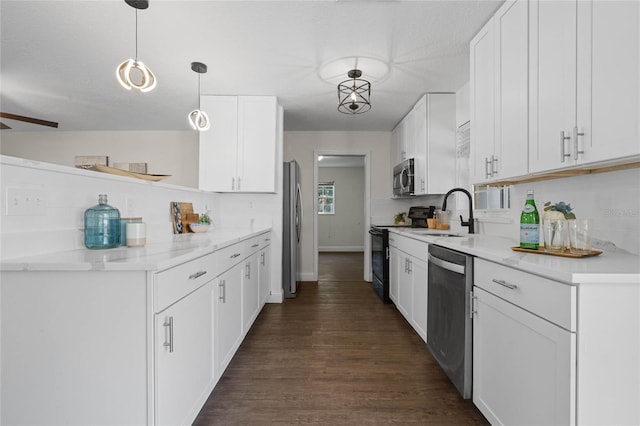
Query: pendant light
(354, 96)
(132, 73)
(198, 119)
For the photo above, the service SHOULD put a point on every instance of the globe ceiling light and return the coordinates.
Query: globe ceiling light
(132, 73)
(198, 119)
(354, 96)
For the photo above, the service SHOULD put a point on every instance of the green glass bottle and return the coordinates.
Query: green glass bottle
(529, 224)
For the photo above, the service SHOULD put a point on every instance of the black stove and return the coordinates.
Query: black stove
(380, 248)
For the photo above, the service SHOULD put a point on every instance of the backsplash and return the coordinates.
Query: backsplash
(68, 192)
(611, 200)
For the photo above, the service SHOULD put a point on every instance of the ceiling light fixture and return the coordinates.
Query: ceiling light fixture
(198, 119)
(134, 74)
(354, 96)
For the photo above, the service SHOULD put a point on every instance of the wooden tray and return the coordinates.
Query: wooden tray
(565, 253)
(114, 171)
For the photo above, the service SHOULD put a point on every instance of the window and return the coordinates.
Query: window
(326, 198)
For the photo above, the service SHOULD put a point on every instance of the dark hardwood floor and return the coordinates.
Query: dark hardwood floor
(335, 355)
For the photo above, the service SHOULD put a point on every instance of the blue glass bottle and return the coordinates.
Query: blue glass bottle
(101, 225)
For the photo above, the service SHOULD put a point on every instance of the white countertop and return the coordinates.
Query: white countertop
(608, 267)
(152, 257)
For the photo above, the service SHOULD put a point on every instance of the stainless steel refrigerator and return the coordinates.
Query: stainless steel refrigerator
(292, 227)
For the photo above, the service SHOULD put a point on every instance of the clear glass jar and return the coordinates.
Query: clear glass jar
(101, 225)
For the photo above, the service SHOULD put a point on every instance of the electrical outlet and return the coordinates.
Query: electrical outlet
(26, 202)
(130, 207)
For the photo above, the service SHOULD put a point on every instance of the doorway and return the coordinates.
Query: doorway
(342, 205)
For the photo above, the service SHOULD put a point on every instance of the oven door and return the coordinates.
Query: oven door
(380, 262)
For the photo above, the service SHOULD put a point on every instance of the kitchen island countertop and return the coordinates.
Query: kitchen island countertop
(151, 257)
(611, 266)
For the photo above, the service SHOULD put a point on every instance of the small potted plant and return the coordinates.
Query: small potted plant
(400, 218)
(202, 225)
(558, 211)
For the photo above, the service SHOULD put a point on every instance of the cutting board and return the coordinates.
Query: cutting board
(182, 214)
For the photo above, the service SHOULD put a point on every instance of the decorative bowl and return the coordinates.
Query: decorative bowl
(199, 227)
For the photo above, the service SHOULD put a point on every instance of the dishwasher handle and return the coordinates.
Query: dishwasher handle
(449, 266)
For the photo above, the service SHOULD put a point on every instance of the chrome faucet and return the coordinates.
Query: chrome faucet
(470, 222)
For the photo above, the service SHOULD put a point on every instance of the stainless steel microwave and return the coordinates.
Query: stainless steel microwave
(403, 179)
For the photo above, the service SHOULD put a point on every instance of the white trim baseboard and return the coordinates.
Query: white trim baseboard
(341, 248)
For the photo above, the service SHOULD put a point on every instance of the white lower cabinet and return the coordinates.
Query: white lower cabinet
(408, 280)
(183, 357)
(136, 347)
(524, 347)
(251, 290)
(523, 365)
(265, 272)
(228, 317)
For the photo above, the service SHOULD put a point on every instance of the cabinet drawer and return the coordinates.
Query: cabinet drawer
(551, 300)
(175, 283)
(231, 255)
(415, 248)
(254, 244)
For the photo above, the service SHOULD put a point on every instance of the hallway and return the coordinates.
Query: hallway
(335, 355)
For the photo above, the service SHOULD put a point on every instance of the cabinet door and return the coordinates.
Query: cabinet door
(523, 366)
(396, 156)
(553, 83)
(405, 287)
(440, 166)
(265, 274)
(228, 315)
(184, 354)
(419, 309)
(420, 141)
(608, 79)
(251, 290)
(218, 145)
(394, 273)
(482, 92)
(257, 134)
(512, 90)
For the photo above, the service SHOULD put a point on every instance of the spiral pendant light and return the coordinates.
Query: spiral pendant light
(198, 119)
(354, 96)
(132, 73)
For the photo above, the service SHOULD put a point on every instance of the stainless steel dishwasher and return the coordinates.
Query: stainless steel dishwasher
(449, 323)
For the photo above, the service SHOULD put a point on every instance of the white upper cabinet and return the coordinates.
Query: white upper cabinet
(585, 72)
(427, 134)
(238, 153)
(434, 127)
(499, 95)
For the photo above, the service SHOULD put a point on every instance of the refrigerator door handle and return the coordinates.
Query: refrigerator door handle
(299, 213)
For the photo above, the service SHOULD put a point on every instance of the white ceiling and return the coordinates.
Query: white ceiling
(58, 58)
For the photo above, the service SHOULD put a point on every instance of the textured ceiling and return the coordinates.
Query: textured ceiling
(58, 58)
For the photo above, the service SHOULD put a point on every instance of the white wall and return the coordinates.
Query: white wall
(166, 153)
(344, 230)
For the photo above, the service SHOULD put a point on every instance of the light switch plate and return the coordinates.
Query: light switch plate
(25, 202)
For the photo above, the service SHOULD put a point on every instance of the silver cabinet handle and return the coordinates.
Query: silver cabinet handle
(505, 284)
(247, 267)
(262, 259)
(494, 165)
(233, 256)
(563, 154)
(472, 305)
(575, 143)
(487, 164)
(223, 291)
(255, 245)
(197, 275)
(238, 183)
(410, 266)
(233, 184)
(169, 323)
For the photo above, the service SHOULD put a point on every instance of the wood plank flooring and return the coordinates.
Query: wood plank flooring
(335, 355)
